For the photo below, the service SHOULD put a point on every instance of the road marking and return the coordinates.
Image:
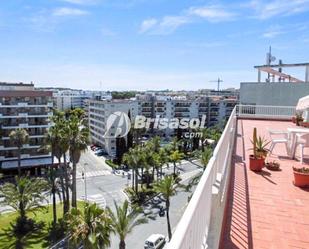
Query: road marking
(93, 174)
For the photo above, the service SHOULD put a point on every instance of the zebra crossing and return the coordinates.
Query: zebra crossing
(79, 175)
(96, 198)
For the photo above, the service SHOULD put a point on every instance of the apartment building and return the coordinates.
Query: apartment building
(67, 99)
(21, 106)
(99, 112)
(215, 109)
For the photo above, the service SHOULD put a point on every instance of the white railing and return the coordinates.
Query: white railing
(193, 229)
(266, 112)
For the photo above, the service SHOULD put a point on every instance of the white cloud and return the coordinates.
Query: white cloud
(148, 24)
(273, 32)
(170, 23)
(212, 13)
(69, 12)
(165, 25)
(268, 9)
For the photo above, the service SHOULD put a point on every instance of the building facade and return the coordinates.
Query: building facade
(215, 109)
(99, 112)
(21, 106)
(70, 98)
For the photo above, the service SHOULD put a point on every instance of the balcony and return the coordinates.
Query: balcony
(233, 207)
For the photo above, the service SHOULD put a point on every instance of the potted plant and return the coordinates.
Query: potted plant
(275, 166)
(261, 144)
(301, 177)
(256, 161)
(294, 119)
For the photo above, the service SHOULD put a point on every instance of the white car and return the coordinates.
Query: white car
(155, 241)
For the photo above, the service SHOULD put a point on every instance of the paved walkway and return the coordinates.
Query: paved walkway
(265, 210)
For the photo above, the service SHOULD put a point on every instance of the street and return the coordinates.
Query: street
(101, 184)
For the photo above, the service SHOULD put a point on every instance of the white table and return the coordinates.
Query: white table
(293, 131)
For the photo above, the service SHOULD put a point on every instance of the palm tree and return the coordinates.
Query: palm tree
(134, 158)
(57, 142)
(52, 178)
(167, 188)
(205, 157)
(19, 137)
(78, 141)
(91, 227)
(124, 220)
(175, 157)
(26, 195)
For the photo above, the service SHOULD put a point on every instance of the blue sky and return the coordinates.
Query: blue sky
(147, 44)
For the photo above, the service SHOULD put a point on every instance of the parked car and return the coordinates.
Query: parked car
(154, 241)
(101, 153)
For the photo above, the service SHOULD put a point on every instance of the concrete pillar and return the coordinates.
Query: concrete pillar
(259, 75)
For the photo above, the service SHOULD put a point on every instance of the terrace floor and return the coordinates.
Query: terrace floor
(265, 210)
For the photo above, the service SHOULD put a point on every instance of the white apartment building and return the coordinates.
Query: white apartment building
(99, 111)
(21, 106)
(215, 109)
(70, 98)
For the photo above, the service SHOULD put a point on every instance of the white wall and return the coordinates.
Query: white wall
(276, 94)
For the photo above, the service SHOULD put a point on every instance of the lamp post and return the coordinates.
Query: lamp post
(85, 178)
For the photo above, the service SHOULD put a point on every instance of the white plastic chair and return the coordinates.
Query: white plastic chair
(275, 139)
(303, 141)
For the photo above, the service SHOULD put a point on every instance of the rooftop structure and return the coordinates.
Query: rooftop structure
(233, 207)
(279, 89)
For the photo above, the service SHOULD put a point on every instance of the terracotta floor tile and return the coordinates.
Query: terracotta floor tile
(265, 210)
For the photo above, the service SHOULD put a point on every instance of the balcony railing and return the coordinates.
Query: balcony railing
(193, 228)
(201, 224)
(267, 112)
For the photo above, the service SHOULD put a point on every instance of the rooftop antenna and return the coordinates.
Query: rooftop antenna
(218, 81)
(269, 59)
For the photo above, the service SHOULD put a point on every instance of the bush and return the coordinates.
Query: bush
(143, 195)
(111, 164)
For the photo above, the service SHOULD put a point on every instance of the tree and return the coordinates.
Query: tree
(121, 148)
(78, 141)
(26, 195)
(134, 158)
(124, 220)
(57, 141)
(167, 188)
(91, 227)
(205, 157)
(175, 157)
(130, 135)
(52, 178)
(19, 137)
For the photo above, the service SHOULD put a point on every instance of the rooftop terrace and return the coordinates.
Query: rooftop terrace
(234, 207)
(265, 210)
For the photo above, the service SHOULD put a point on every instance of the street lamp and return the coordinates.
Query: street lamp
(85, 178)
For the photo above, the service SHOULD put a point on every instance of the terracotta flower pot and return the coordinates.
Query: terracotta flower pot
(301, 179)
(256, 164)
(294, 120)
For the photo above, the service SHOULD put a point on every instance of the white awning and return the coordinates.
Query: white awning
(303, 104)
